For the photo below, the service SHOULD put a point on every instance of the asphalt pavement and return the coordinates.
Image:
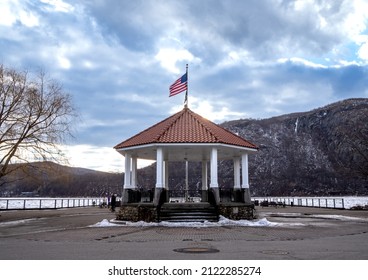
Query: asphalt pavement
(299, 233)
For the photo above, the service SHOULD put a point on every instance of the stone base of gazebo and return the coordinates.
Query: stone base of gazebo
(148, 212)
(135, 212)
(236, 211)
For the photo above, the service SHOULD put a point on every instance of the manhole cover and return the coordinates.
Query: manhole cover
(196, 250)
(275, 252)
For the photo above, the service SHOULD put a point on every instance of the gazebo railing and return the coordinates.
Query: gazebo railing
(139, 195)
(185, 195)
(226, 195)
(146, 195)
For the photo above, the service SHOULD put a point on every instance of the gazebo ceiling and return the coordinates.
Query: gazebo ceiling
(185, 135)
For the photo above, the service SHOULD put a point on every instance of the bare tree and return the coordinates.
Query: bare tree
(35, 116)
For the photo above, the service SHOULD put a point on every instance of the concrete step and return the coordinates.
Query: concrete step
(188, 212)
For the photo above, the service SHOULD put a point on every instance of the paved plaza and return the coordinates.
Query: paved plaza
(300, 233)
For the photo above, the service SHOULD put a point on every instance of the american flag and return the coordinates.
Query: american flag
(179, 85)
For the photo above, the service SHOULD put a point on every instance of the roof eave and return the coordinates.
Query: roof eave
(155, 145)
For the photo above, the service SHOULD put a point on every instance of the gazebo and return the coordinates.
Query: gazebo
(186, 136)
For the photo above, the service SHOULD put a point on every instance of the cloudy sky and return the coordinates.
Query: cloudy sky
(247, 59)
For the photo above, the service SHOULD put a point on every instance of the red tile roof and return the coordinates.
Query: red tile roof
(185, 127)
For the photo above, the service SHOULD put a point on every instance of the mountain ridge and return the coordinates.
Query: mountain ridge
(52, 179)
(330, 141)
(323, 151)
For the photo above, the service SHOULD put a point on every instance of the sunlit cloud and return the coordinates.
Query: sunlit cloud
(169, 57)
(58, 6)
(13, 12)
(297, 60)
(213, 111)
(98, 158)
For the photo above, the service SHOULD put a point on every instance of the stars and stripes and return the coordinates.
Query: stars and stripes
(179, 85)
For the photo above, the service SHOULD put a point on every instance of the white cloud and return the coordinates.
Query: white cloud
(28, 19)
(94, 157)
(298, 60)
(13, 11)
(7, 18)
(168, 57)
(58, 6)
(355, 27)
(63, 62)
(105, 159)
(363, 50)
(213, 111)
(355, 22)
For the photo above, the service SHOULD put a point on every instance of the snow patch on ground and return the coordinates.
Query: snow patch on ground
(105, 223)
(263, 222)
(315, 216)
(17, 222)
(339, 217)
(222, 222)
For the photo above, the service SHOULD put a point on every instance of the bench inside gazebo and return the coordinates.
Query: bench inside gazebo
(186, 136)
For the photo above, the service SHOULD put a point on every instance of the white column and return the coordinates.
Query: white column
(245, 183)
(166, 174)
(214, 175)
(204, 175)
(159, 168)
(237, 173)
(186, 180)
(134, 172)
(204, 194)
(127, 177)
(166, 179)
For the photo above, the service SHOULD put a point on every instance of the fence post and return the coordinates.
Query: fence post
(7, 204)
(24, 204)
(40, 203)
(334, 203)
(55, 204)
(342, 203)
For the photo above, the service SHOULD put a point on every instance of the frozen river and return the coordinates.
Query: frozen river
(341, 202)
(16, 203)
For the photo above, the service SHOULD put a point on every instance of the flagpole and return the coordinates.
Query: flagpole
(186, 93)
